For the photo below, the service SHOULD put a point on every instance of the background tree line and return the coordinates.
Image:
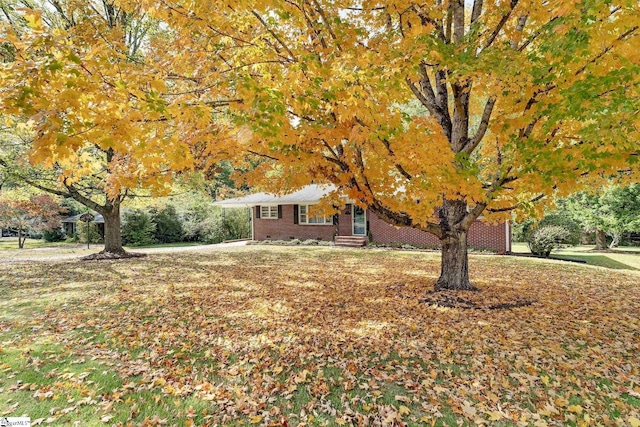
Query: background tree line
(159, 222)
(601, 219)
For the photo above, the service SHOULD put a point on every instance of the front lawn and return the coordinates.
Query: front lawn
(41, 250)
(316, 336)
(10, 243)
(622, 258)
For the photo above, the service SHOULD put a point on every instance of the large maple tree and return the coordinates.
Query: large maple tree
(80, 91)
(519, 99)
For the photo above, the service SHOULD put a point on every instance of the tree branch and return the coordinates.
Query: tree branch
(425, 19)
(516, 206)
(607, 49)
(75, 194)
(500, 25)
(535, 35)
(442, 100)
(402, 219)
(398, 166)
(522, 21)
(327, 23)
(262, 155)
(473, 142)
(458, 20)
(426, 97)
(477, 10)
(275, 36)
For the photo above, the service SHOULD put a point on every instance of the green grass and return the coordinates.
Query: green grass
(168, 245)
(44, 380)
(623, 258)
(597, 260)
(9, 243)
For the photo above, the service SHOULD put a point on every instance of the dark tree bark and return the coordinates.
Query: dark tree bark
(112, 236)
(601, 240)
(454, 270)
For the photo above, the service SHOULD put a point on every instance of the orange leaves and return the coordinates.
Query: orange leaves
(287, 336)
(82, 90)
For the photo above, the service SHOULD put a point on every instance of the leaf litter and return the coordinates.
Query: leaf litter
(292, 336)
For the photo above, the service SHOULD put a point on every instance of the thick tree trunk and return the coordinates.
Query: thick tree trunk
(601, 240)
(112, 236)
(454, 270)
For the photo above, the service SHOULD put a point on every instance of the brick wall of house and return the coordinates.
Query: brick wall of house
(481, 236)
(285, 229)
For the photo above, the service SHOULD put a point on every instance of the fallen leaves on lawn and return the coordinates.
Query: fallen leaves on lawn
(320, 337)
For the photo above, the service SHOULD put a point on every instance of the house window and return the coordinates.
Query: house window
(307, 217)
(269, 212)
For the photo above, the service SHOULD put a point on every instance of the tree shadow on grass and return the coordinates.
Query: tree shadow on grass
(469, 301)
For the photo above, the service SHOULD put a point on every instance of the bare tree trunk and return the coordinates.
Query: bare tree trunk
(454, 271)
(601, 240)
(20, 239)
(112, 236)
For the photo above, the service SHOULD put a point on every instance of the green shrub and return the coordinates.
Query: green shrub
(211, 228)
(554, 231)
(138, 229)
(168, 225)
(236, 224)
(573, 229)
(544, 239)
(55, 235)
(522, 232)
(94, 233)
(211, 224)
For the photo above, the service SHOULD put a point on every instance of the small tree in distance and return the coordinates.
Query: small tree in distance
(612, 212)
(33, 215)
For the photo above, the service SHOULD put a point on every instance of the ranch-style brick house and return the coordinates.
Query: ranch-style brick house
(289, 217)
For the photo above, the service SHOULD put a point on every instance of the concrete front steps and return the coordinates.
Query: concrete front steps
(350, 241)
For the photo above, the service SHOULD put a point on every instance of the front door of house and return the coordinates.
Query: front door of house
(359, 221)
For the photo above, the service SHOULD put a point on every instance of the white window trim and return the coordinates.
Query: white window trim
(272, 210)
(327, 220)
